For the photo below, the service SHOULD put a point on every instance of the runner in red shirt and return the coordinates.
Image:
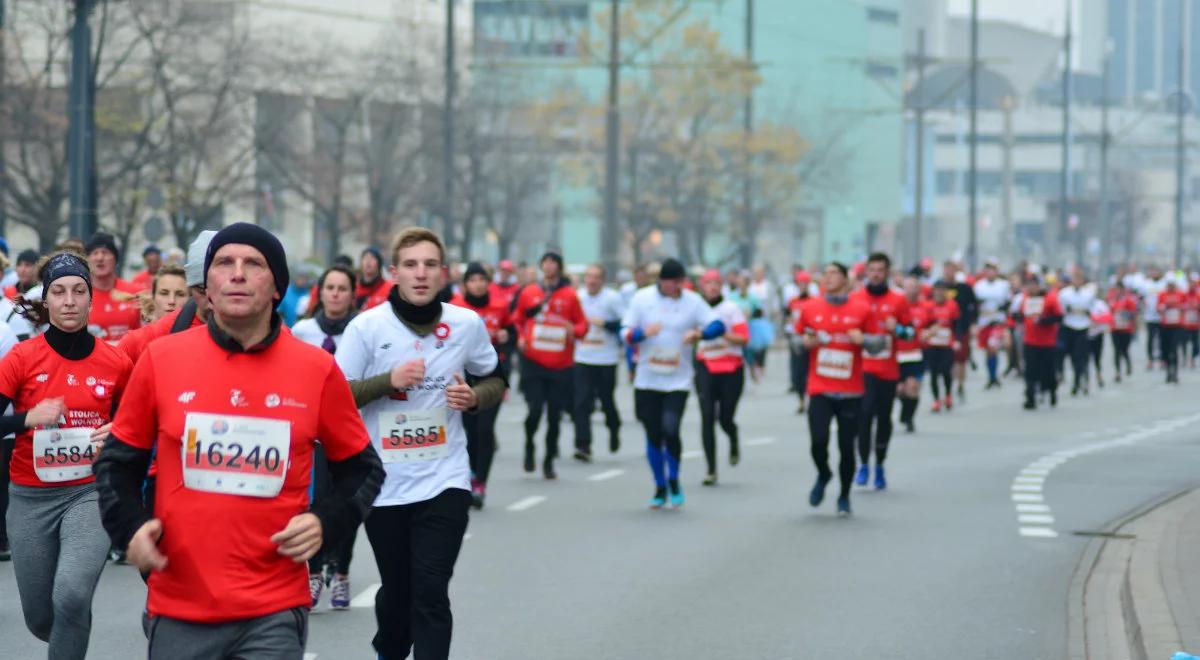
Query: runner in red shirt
(152, 257)
(1124, 305)
(909, 354)
(63, 385)
(506, 286)
(235, 409)
(373, 287)
(1172, 305)
(890, 319)
(941, 318)
(115, 306)
(1191, 324)
(720, 375)
(549, 319)
(480, 298)
(1041, 314)
(834, 328)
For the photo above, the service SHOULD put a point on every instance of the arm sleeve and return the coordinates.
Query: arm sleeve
(631, 330)
(713, 330)
(354, 465)
(370, 389)
(121, 467)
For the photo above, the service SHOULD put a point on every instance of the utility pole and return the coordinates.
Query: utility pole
(1182, 105)
(919, 197)
(1007, 239)
(1065, 181)
(448, 228)
(1105, 143)
(748, 130)
(972, 248)
(82, 131)
(611, 231)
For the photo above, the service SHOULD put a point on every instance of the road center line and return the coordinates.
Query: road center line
(366, 597)
(758, 442)
(692, 454)
(606, 475)
(526, 503)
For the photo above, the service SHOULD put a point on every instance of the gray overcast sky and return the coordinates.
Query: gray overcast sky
(1040, 14)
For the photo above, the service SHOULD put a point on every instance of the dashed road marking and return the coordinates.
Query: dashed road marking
(692, 454)
(606, 475)
(366, 597)
(526, 503)
(1038, 532)
(1035, 519)
(758, 442)
(1032, 508)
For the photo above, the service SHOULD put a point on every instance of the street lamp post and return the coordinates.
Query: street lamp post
(81, 160)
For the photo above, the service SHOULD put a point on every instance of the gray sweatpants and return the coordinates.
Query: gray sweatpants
(279, 636)
(58, 550)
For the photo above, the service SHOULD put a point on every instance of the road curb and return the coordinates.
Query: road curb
(1102, 609)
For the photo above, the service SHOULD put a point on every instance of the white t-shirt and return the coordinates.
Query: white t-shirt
(1077, 305)
(12, 319)
(664, 362)
(992, 296)
(374, 343)
(1149, 290)
(310, 332)
(599, 347)
(765, 292)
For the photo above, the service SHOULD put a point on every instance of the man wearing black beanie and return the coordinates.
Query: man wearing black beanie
(234, 409)
(550, 319)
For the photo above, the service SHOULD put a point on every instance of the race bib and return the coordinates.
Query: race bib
(1191, 317)
(235, 455)
(835, 363)
(1123, 320)
(941, 337)
(1171, 316)
(908, 357)
(549, 338)
(63, 454)
(413, 435)
(713, 348)
(663, 360)
(1034, 306)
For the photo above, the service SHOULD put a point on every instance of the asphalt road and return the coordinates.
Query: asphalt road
(968, 554)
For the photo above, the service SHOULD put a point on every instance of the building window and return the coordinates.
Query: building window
(880, 70)
(883, 15)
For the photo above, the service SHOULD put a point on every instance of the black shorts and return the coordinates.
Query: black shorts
(912, 370)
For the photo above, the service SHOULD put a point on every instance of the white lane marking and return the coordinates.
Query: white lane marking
(606, 475)
(758, 442)
(1034, 517)
(1032, 508)
(366, 597)
(310, 656)
(526, 503)
(467, 536)
(692, 454)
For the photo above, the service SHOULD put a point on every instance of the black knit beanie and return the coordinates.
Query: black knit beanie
(244, 233)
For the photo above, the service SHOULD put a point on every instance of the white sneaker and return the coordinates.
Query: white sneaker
(315, 584)
(339, 599)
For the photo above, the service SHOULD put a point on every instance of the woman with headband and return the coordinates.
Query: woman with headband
(63, 386)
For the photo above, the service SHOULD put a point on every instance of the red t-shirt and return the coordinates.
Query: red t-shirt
(32, 372)
(1191, 310)
(495, 315)
(1124, 311)
(550, 335)
(134, 343)
(113, 316)
(1171, 306)
(142, 280)
(222, 563)
(940, 319)
(834, 367)
(1033, 308)
(919, 314)
(373, 295)
(891, 305)
(503, 292)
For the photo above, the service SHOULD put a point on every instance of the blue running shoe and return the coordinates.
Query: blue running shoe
(880, 480)
(864, 472)
(676, 499)
(818, 492)
(660, 499)
(843, 505)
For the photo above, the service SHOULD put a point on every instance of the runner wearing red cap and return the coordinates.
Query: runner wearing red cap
(720, 376)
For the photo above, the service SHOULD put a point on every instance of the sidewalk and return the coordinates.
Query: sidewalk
(1136, 593)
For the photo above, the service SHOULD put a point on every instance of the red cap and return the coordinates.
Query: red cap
(506, 265)
(711, 275)
(858, 269)
(802, 277)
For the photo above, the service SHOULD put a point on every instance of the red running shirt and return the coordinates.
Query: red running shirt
(33, 371)
(115, 312)
(1171, 306)
(495, 315)
(834, 367)
(1033, 308)
(550, 335)
(222, 563)
(891, 305)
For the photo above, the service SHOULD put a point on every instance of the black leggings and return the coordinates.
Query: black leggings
(1121, 342)
(481, 440)
(1153, 341)
(1170, 338)
(547, 389)
(594, 382)
(877, 404)
(338, 557)
(1076, 342)
(1039, 370)
(661, 413)
(416, 546)
(798, 360)
(941, 364)
(822, 410)
(1096, 348)
(719, 395)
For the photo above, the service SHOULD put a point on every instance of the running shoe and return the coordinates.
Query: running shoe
(660, 498)
(529, 464)
(614, 443)
(1053, 398)
(843, 505)
(315, 584)
(950, 401)
(478, 492)
(910, 427)
(676, 497)
(548, 469)
(339, 597)
(864, 471)
(880, 480)
(735, 455)
(818, 492)
(937, 406)
(583, 456)
(710, 480)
